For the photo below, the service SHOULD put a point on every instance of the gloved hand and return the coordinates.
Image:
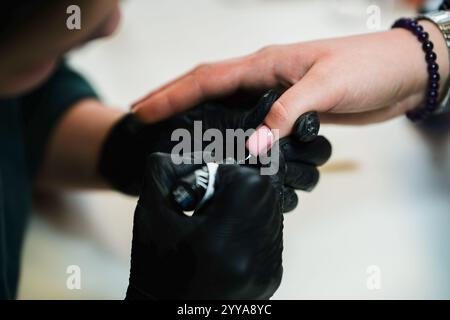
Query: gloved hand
(229, 249)
(124, 151)
(298, 162)
(130, 141)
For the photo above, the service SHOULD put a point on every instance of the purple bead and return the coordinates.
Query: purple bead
(423, 36)
(428, 46)
(418, 29)
(433, 67)
(435, 76)
(431, 101)
(432, 94)
(412, 23)
(400, 25)
(401, 22)
(405, 23)
(433, 85)
(430, 57)
(431, 107)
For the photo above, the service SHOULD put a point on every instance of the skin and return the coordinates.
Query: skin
(352, 80)
(28, 59)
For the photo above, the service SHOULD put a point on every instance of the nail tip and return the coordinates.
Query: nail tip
(260, 141)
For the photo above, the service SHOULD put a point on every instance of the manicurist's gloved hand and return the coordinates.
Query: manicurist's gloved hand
(231, 248)
(130, 141)
(124, 151)
(298, 162)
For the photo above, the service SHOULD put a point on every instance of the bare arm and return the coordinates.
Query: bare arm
(74, 148)
(351, 80)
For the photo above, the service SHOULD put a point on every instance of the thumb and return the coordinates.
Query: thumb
(314, 92)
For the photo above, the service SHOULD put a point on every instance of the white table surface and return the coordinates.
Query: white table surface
(384, 198)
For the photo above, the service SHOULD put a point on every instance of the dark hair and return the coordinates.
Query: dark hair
(14, 13)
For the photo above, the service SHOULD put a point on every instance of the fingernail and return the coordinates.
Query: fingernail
(260, 141)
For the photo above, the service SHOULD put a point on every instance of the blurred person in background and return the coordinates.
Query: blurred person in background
(55, 133)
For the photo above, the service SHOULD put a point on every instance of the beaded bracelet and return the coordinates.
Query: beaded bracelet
(431, 102)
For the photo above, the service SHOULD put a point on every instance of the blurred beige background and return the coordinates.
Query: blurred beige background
(383, 200)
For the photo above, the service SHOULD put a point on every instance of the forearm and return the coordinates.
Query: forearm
(73, 152)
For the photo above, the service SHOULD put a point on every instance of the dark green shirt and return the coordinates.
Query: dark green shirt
(26, 123)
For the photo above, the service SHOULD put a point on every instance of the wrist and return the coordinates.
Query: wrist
(441, 49)
(428, 68)
(122, 155)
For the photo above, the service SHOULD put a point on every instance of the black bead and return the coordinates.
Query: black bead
(403, 22)
(431, 107)
(423, 36)
(418, 29)
(431, 101)
(433, 94)
(428, 46)
(433, 67)
(433, 85)
(430, 57)
(435, 76)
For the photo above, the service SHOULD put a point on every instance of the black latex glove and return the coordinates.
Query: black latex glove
(130, 141)
(229, 249)
(298, 162)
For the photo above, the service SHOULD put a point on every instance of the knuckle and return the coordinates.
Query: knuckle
(201, 69)
(167, 102)
(279, 115)
(200, 77)
(320, 72)
(268, 50)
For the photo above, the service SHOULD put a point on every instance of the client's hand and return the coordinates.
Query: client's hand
(231, 248)
(352, 80)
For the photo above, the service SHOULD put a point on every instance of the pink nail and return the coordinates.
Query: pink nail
(260, 141)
